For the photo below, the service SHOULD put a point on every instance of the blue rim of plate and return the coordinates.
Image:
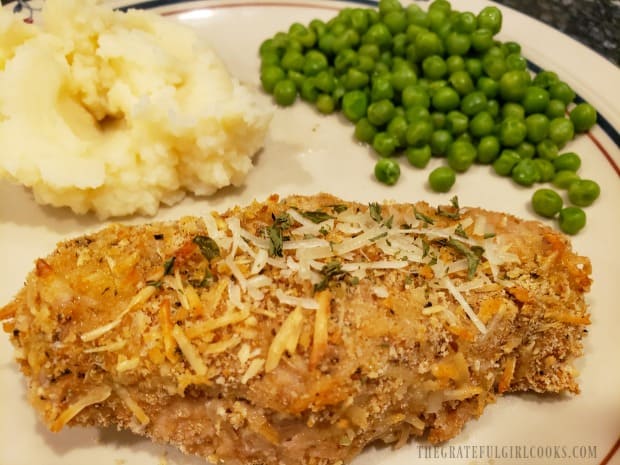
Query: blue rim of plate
(602, 122)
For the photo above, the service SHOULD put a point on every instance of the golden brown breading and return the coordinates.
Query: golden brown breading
(299, 330)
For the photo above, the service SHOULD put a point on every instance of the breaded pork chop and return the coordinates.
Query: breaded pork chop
(297, 331)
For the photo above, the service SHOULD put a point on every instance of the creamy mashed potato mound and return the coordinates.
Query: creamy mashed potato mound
(116, 112)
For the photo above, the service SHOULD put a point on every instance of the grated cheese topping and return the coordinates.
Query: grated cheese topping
(282, 272)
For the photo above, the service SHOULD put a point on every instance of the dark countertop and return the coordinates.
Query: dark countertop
(595, 23)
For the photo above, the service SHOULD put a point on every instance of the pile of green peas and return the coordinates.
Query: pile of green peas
(435, 83)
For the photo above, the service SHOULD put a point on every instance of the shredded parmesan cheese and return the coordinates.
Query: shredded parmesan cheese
(285, 339)
(140, 298)
(189, 351)
(448, 284)
(94, 396)
(321, 319)
(132, 405)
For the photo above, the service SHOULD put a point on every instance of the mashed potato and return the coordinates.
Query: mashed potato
(116, 112)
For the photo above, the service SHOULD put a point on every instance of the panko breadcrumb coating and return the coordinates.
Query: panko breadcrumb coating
(297, 331)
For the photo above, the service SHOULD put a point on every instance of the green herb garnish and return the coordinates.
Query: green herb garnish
(316, 216)
(374, 209)
(472, 254)
(330, 271)
(274, 233)
(488, 235)
(378, 236)
(168, 265)
(459, 231)
(339, 208)
(452, 215)
(208, 247)
(422, 217)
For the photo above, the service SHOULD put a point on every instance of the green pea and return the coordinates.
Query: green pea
(512, 110)
(385, 6)
(481, 40)
(403, 77)
(359, 20)
(567, 161)
(270, 76)
(547, 149)
(455, 63)
(384, 144)
(546, 202)
(572, 220)
(418, 156)
(555, 109)
(442, 179)
(379, 113)
(537, 127)
(396, 21)
(583, 117)
(506, 161)
(513, 85)
(355, 79)
(326, 42)
(457, 43)
(365, 64)
(482, 124)
(438, 119)
(387, 171)
(285, 92)
(338, 92)
(490, 18)
(270, 58)
(325, 82)
(461, 81)
(427, 44)
(344, 60)
(561, 131)
(535, 100)
(378, 34)
(419, 133)
(583, 192)
(399, 45)
(267, 46)
(325, 104)
(456, 122)
(445, 99)
(314, 63)
(488, 149)
(417, 16)
(354, 105)
(473, 103)
(525, 172)
(545, 169)
(370, 50)
(516, 61)
(526, 149)
(417, 113)
(493, 108)
(381, 89)
(308, 91)
(365, 131)
(461, 155)
(413, 95)
(440, 141)
(398, 128)
(466, 22)
(564, 178)
(546, 79)
(487, 86)
(512, 132)
(296, 77)
(562, 91)
(494, 67)
(434, 67)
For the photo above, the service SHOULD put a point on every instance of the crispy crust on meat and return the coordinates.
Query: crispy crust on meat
(146, 328)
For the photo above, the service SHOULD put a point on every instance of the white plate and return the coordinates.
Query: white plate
(307, 153)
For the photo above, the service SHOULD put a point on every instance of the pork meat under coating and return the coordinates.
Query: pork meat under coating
(297, 331)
